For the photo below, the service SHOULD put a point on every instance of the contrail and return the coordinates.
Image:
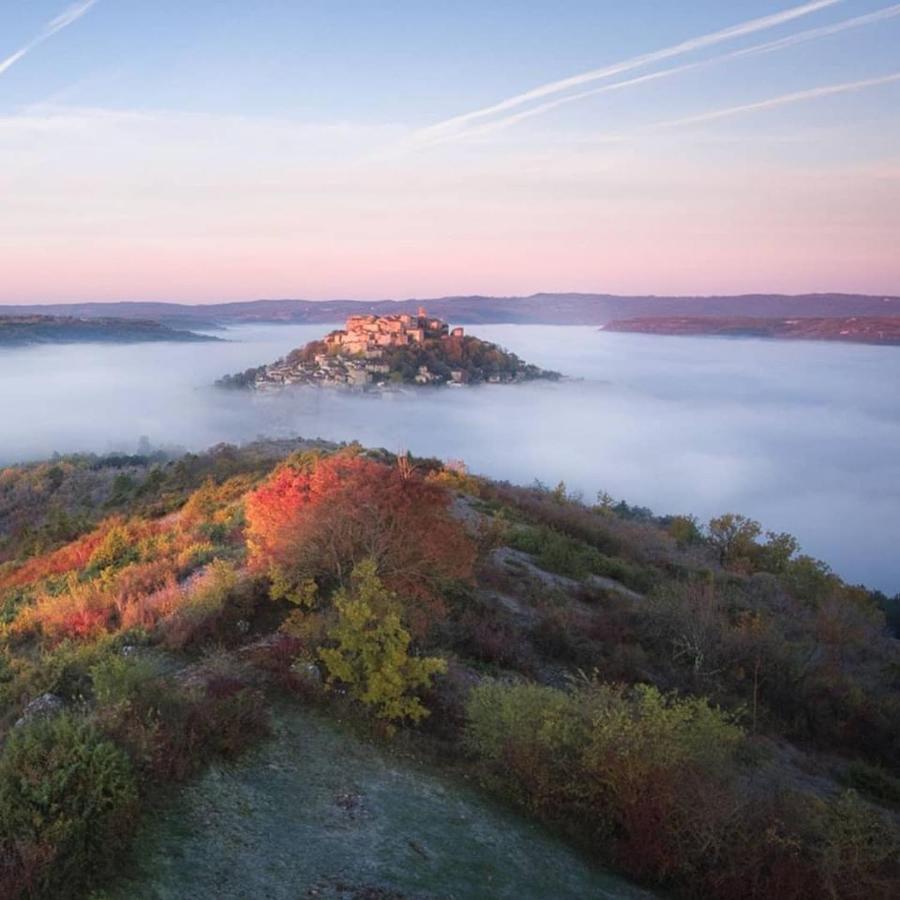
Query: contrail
(758, 49)
(783, 100)
(63, 20)
(707, 40)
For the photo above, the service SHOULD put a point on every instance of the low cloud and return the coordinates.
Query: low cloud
(799, 436)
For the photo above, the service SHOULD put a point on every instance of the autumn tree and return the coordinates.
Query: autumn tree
(733, 537)
(736, 540)
(685, 530)
(777, 552)
(371, 649)
(316, 518)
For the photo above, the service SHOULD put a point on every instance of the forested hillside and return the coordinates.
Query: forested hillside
(18, 331)
(700, 706)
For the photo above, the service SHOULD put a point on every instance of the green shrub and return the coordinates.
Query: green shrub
(615, 765)
(555, 552)
(566, 556)
(528, 540)
(874, 781)
(563, 555)
(636, 732)
(66, 669)
(11, 603)
(69, 791)
(605, 725)
(502, 715)
(857, 850)
(114, 551)
(118, 679)
(638, 578)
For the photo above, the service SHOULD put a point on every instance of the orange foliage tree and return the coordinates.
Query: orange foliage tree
(317, 518)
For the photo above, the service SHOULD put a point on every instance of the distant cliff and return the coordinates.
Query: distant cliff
(39, 329)
(852, 329)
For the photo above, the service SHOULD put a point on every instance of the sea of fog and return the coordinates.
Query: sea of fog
(804, 437)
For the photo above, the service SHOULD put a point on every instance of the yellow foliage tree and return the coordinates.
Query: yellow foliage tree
(371, 650)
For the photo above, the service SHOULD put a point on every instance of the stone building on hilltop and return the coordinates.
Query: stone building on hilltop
(371, 334)
(363, 354)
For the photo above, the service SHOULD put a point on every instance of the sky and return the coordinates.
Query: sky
(223, 150)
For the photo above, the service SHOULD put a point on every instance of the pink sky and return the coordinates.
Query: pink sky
(109, 206)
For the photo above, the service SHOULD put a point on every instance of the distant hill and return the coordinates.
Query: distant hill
(851, 329)
(378, 351)
(22, 330)
(537, 309)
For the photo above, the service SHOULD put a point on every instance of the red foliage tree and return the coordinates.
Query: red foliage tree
(317, 519)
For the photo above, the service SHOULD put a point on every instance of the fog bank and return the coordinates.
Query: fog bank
(804, 437)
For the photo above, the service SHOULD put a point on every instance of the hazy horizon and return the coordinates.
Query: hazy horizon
(380, 299)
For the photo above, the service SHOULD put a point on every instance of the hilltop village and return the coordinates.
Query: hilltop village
(380, 352)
